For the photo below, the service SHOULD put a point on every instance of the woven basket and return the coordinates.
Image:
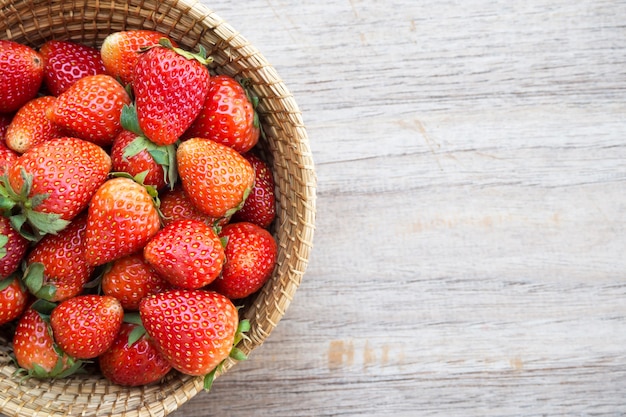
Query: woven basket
(286, 147)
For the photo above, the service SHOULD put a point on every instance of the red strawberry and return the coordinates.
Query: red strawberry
(251, 254)
(35, 350)
(133, 363)
(176, 205)
(193, 329)
(170, 86)
(227, 116)
(216, 178)
(130, 279)
(58, 178)
(260, 206)
(5, 121)
(21, 75)
(122, 219)
(13, 299)
(57, 266)
(91, 108)
(134, 163)
(66, 62)
(7, 158)
(120, 51)
(85, 326)
(30, 126)
(187, 253)
(13, 247)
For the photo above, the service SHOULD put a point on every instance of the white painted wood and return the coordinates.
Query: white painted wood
(470, 248)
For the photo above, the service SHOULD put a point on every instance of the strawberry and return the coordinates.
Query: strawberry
(13, 247)
(120, 51)
(35, 350)
(124, 159)
(66, 62)
(90, 109)
(130, 279)
(85, 326)
(52, 183)
(21, 75)
(7, 158)
(57, 269)
(187, 253)
(193, 329)
(251, 254)
(176, 205)
(170, 85)
(132, 362)
(30, 126)
(227, 116)
(5, 121)
(216, 178)
(13, 299)
(122, 218)
(260, 206)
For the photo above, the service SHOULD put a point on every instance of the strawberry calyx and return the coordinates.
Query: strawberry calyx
(239, 206)
(139, 331)
(34, 279)
(235, 353)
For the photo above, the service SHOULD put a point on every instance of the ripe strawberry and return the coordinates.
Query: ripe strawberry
(66, 62)
(30, 126)
(122, 218)
(13, 247)
(133, 363)
(170, 86)
(260, 206)
(35, 350)
(57, 266)
(187, 253)
(193, 329)
(21, 75)
(136, 162)
(7, 158)
(120, 51)
(53, 182)
(85, 326)
(251, 254)
(90, 109)
(216, 178)
(176, 205)
(13, 299)
(130, 279)
(5, 121)
(227, 116)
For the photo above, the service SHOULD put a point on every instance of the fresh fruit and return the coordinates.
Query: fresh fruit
(7, 158)
(216, 178)
(132, 362)
(120, 51)
(35, 350)
(130, 279)
(227, 116)
(30, 126)
(170, 86)
(66, 62)
(5, 121)
(135, 163)
(21, 75)
(251, 253)
(85, 326)
(176, 205)
(122, 218)
(187, 253)
(193, 329)
(52, 183)
(57, 269)
(260, 206)
(13, 247)
(13, 299)
(90, 109)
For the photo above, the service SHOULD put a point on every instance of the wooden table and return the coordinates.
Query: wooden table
(470, 247)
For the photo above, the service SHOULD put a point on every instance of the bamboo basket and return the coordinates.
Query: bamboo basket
(285, 145)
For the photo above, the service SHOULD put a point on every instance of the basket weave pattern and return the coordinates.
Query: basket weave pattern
(285, 147)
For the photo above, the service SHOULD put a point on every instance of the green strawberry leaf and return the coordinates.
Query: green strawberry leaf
(210, 377)
(136, 334)
(237, 354)
(162, 155)
(129, 119)
(201, 56)
(34, 277)
(44, 308)
(44, 223)
(133, 318)
(4, 283)
(4, 239)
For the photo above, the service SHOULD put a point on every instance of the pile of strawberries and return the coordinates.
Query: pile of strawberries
(134, 207)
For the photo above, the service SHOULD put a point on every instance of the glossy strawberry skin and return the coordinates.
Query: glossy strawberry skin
(5, 121)
(176, 205)
(21, 75)
(85, 326)
(15, 247)
(193, 329)
(260, 206)
(227, 116)
(215, 177)
(251, 254)
(122, 218)
(7, 158)
(68, 170)
(90, 109)
(13, 299)
(134, 365)
(187, 253)
(30, 126)
(136, 164)
(66, 62)
(169, 92)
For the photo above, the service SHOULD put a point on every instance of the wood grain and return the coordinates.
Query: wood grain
(469, 253)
